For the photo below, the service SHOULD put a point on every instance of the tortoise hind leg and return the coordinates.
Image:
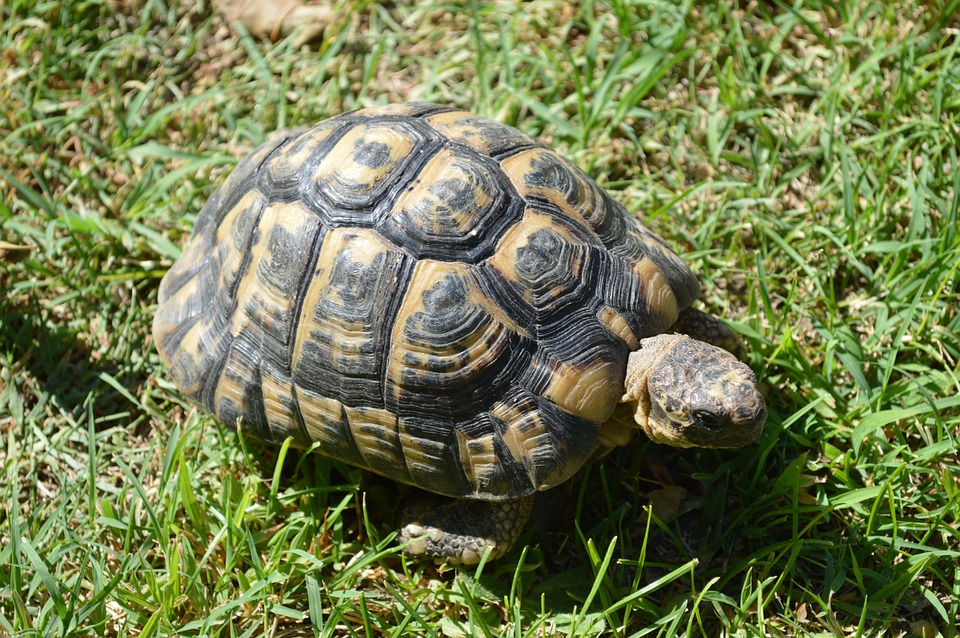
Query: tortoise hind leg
(703, 327)
(460, 531)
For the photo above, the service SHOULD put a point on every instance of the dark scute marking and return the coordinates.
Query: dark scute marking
(203, 371)
(371, 154)
(608, 223)
(636, 242)
(514, 479)
(456, 194)
(570, 441)
(495, 134)
(284, 180)
(578, 338)
(453, 216)
(242, 366)
(445, 298)
(447, 318)
(342, 445)
(359, 371)
(279, 271)
(210, 375)
(508, 479)
(354, 282)
(434, 363)
(287, 422)
(449, 327)
(539, 255)
(209, 216)
(485, 128)
(555, 275)
(240, 232)
(548, 173)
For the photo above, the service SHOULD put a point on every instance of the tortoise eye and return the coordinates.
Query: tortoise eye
(707, 419)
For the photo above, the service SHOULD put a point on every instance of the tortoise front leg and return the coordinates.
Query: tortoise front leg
(460, 531)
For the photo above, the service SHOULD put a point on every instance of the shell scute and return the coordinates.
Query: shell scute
(429, 448)
(267, 291)
(481, 134)
(549, 443)
(490, 469)
(283, 173)
(344, 324)
(542, 176)
(369, 159)
(377, 437)
(545, 266)
(454, 209)
(448, 351)
(325, 422)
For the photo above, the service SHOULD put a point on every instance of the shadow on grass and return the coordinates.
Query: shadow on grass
(50, 363)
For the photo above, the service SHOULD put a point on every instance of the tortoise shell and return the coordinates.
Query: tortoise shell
(421, 292)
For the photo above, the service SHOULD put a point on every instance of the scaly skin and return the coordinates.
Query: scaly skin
(458, 532)
(687, 393)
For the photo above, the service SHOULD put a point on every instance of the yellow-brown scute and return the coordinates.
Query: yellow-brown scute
(483, 135)
(657, 292)
(446, 347)
(618, 325)
(363, 163)
(283, 171)
(279, 259)
(655, 264)
(589, 391)
(541, 173)
(342, 332)
(450, 196)
(549, 447)
(544, 263)
(456, 205)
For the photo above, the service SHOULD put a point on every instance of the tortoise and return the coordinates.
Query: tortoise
(444, 300)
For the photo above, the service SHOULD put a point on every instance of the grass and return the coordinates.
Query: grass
(803, 156)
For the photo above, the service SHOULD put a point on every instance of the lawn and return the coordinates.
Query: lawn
(803, 158)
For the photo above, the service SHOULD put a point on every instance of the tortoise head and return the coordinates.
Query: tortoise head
(688, 393)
